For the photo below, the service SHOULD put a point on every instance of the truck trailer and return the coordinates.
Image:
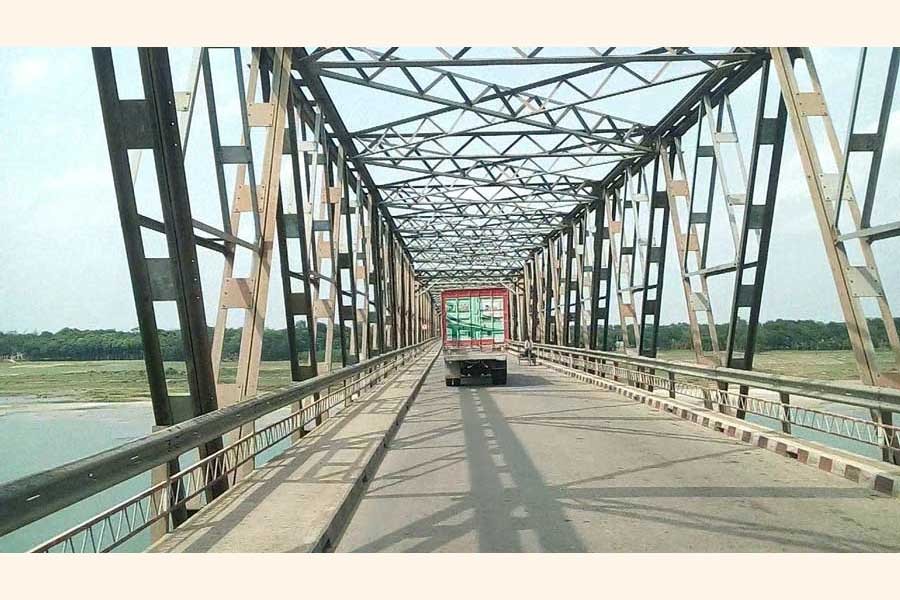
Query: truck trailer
(475, 333)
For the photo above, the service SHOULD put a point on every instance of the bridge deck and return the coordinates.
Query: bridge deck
(545, 463)
(551, 464)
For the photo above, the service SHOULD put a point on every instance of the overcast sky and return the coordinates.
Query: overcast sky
(62, 262)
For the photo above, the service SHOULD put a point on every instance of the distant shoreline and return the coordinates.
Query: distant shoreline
(11, 404)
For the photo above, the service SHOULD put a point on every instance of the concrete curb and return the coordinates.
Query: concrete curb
(870, 474)
(330, 533)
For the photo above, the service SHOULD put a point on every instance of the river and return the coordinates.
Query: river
(36, 434)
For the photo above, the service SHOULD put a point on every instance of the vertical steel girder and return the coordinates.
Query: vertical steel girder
(548, 267)
(331, 210)
(558, 288)
(603, 260)
(565, 287)
(582, 279)
(622, 255)
(151, 124)
(654, 266)
(351, 259)
(752, 259)
(531, 301)
(250, 294)
(362, 259)
(597, 308)
(517, 310)
(402, 304)
(296, 226)
(853, 282)
(391, 312)
(377, 278)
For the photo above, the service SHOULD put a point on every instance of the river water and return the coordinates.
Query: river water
(37, 434)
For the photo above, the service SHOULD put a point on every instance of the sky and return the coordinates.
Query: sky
(62, 261)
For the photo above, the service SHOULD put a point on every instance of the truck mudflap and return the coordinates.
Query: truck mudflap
(458, 368)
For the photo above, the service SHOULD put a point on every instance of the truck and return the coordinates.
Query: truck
(475, 333)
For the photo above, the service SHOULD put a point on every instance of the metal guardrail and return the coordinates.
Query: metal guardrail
(738, 393)
(29, 499)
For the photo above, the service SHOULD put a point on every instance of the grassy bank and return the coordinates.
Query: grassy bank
(821, 364)
(125, 380)
(110, 380)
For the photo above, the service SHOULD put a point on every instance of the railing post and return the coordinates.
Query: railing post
(722, 398)
(159, 474)
(785, 411)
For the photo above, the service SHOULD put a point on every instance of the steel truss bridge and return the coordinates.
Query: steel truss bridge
(571, 176)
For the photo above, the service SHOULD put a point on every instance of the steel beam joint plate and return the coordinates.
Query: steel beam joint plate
(755, 216)
(746, 295)
(182, 407)
(725, 137)
(298, 303)
(182, 101)
(863, 283)
(864, 142)
(830, 183)
(261, 114)
(235, 155)
(768, 131)
(291, 225)
(699, 302)
(138, 124)
(811, 104)
(660, 199)
(237, 292)
(162, 279)
(678, 187)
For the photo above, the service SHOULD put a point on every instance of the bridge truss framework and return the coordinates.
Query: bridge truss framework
(497, 166)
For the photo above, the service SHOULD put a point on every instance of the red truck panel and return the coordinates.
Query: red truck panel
(476, 336)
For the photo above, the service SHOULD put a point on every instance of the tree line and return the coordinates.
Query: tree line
(110, 344)
(780, 334)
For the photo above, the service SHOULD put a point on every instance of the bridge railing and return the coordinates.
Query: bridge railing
(852, 417)
(34, 497)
